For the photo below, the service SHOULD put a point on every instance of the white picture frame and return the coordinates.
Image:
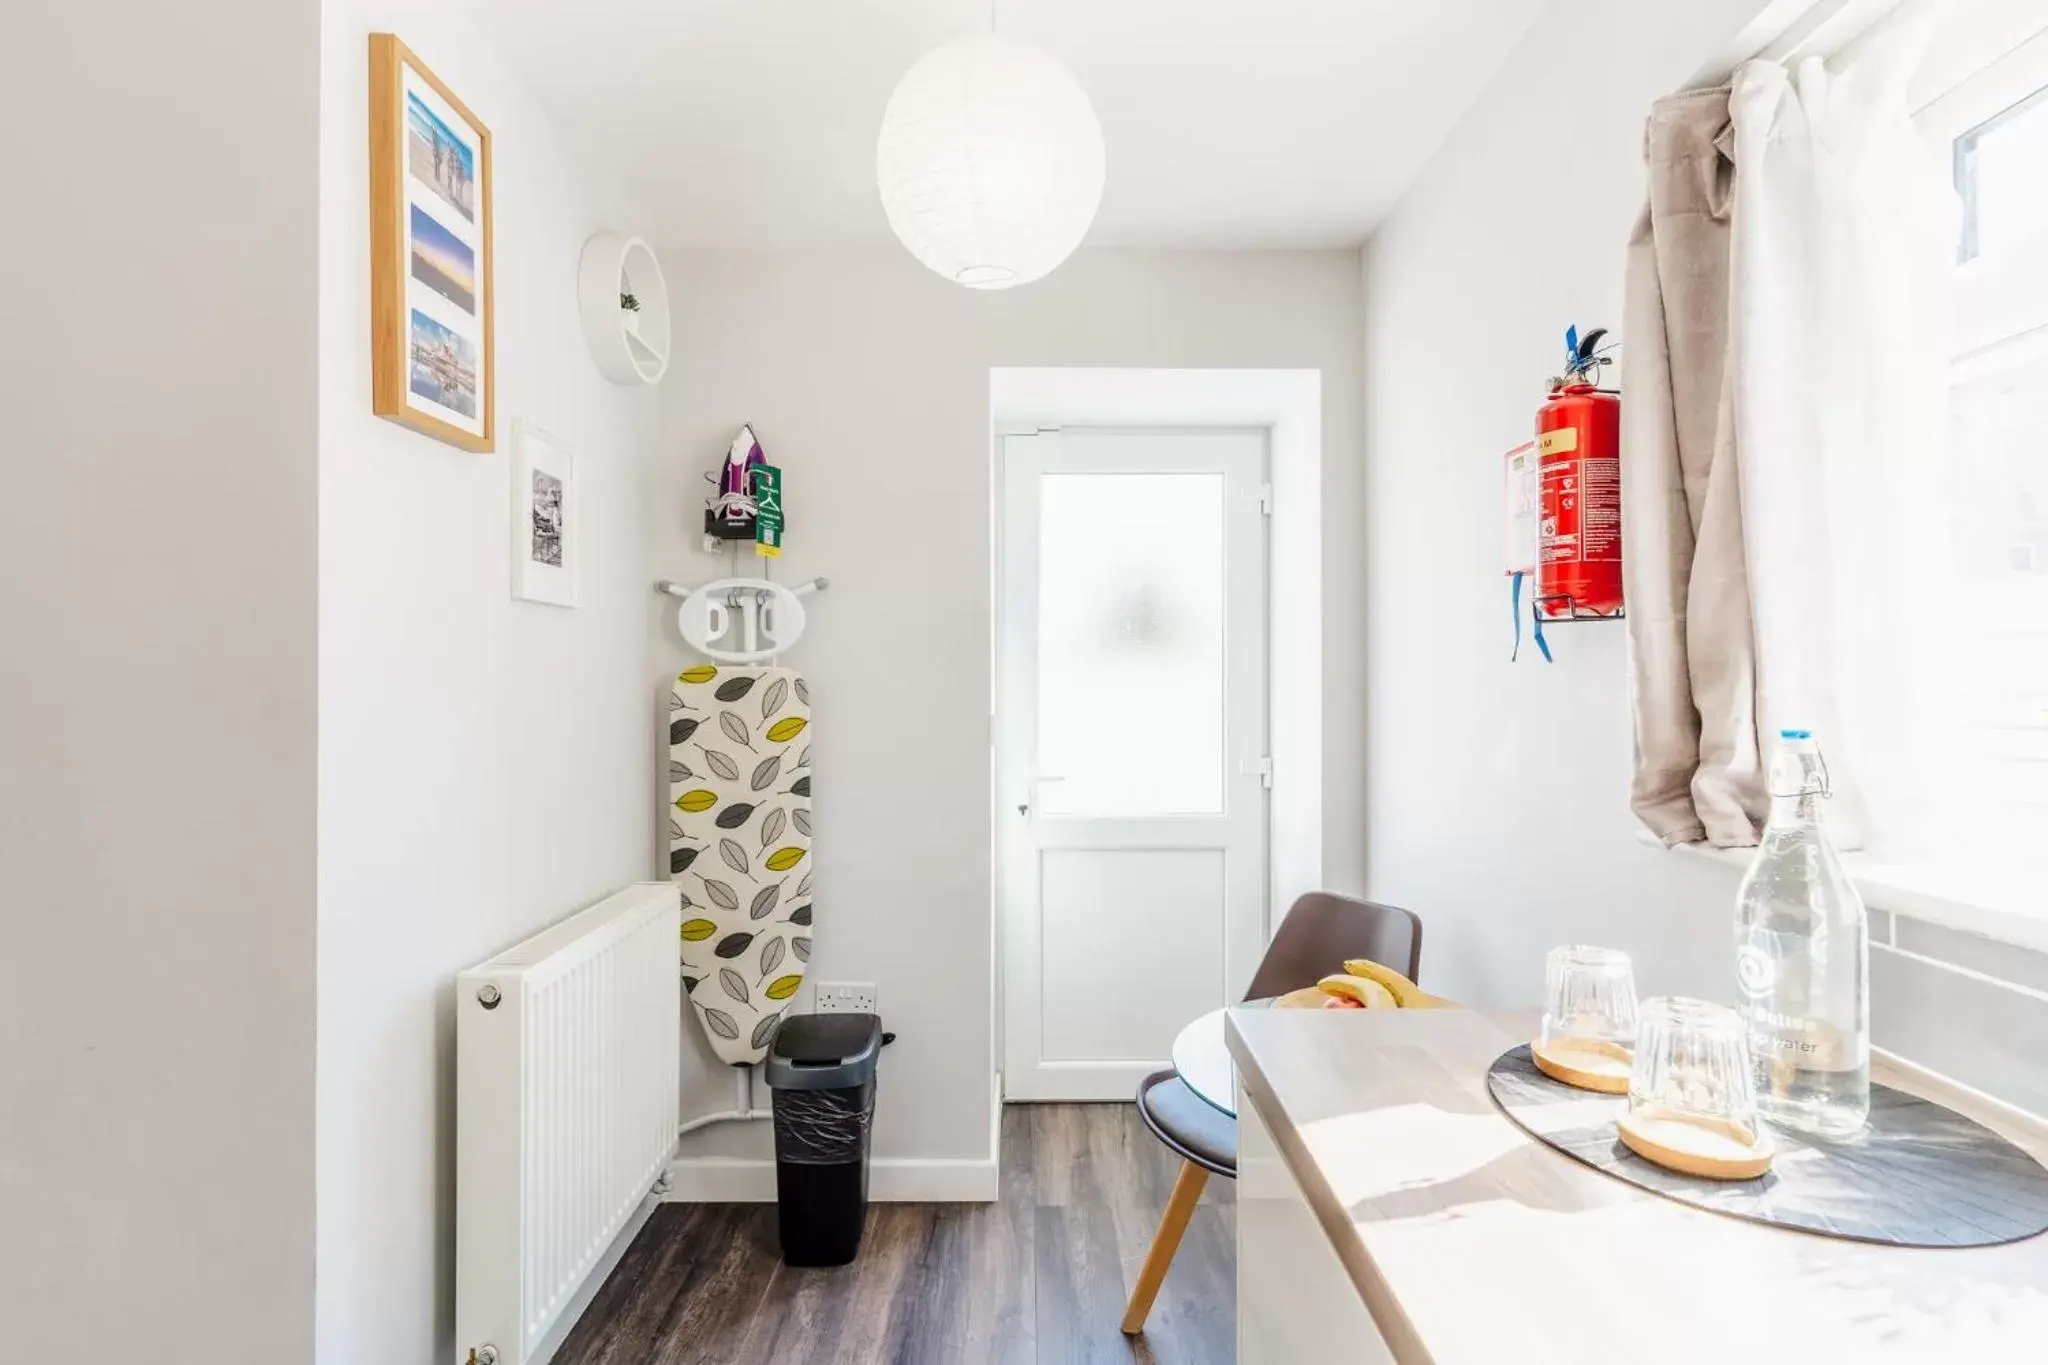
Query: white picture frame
(546, 513)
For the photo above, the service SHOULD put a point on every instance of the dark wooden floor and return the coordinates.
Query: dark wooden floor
(1039, 1278)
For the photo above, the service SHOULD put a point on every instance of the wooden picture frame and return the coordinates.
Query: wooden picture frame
(432, 343)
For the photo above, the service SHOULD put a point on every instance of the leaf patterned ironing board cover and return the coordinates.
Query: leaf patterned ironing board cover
(739, 772)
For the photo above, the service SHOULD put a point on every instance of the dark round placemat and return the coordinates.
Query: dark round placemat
(1918, 1175)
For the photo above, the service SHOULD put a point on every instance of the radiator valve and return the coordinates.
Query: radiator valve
(485, 1354)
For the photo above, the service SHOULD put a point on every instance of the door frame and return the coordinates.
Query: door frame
(1117, 1083)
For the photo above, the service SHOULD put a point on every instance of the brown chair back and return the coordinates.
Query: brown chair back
(1322, 930)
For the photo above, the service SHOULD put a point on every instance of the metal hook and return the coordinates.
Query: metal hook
(1826, 790)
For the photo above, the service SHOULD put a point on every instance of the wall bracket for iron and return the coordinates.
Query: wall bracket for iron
(767, 616)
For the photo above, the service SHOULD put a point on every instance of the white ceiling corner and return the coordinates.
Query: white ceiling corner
(1229, 123)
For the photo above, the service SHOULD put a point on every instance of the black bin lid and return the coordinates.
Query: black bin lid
(824, 1051)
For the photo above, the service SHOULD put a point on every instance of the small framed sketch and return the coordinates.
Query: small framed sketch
(546, 505)
(430, 253)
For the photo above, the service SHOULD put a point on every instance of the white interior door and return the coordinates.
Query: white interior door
(1131, 747)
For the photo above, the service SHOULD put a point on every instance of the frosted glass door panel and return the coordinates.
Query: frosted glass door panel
(1130, 644)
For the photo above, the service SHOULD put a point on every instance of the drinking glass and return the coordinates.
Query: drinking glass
(1589, 995)
(1692, 1067)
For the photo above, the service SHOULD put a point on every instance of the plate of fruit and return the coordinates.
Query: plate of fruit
(1362, 985)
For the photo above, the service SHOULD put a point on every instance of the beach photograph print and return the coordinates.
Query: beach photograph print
(443, 367)
(547, 519)
(431, 301)
(438, 156)
(442, 261)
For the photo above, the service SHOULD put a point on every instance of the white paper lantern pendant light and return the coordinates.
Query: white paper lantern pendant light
(990, 162)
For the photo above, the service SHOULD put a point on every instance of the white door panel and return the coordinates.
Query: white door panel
(1131, 728)
(1131, 941)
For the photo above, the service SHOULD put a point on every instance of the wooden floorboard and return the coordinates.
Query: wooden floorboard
(1038, 1278)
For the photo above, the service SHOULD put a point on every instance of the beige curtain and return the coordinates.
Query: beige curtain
(1784, 385)
(1691, 649)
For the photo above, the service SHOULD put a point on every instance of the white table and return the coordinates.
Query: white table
(1384, 1201)
(1202, 1057)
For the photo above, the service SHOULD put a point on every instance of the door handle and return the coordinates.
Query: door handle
(1031, 792)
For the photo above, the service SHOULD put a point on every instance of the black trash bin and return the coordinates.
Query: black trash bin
(822, 1073)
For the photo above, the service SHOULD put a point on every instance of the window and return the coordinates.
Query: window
(1991, 124)
(1998, 177)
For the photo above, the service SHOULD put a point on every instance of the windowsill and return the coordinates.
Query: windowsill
(2007, 905)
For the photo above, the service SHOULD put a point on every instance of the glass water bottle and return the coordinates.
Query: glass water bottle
(1802, 959)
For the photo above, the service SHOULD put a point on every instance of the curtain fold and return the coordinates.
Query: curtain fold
(1697, 774)
(1784, 390)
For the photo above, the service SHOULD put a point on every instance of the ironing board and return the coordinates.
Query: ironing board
(739, 760)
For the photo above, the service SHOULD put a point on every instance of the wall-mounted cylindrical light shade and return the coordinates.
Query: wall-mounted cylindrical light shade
(990, 162)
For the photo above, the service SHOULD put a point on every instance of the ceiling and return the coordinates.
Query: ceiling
(1229, 123)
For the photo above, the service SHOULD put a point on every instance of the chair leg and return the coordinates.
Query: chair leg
(1187, 1192)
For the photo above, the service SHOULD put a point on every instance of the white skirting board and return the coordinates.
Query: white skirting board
(891, 1180)
(727, 1180)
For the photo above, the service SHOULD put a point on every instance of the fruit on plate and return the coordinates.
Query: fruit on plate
(1369, 992)
(1365, 991)
(1307, 998)
(1405, 992)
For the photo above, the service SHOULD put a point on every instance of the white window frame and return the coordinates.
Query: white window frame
(1996, 299)
(1993, 57)
(1988, 55)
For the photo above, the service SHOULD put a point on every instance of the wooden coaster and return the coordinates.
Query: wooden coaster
(1585, 1063)
(1696, 1146)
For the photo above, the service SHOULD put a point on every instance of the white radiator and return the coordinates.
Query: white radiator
(566, 1056)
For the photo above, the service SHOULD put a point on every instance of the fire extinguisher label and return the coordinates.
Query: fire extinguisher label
(1581, 510)
(1600, 512)
(1560, 442)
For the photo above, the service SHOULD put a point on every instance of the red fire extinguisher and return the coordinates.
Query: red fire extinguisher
(1578, 440)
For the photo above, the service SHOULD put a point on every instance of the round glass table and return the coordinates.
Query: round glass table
(1203, 1059)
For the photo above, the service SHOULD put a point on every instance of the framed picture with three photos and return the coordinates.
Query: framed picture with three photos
(431, 346)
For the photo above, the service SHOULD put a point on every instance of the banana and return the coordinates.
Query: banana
(1406, 993)
(1365, 991)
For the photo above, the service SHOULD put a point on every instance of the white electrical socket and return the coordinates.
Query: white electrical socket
(846, 997)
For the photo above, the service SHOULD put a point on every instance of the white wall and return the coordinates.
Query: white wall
(867, 379)
(485, 764)
(1497, 793)
(1497, 804)
(157, 684)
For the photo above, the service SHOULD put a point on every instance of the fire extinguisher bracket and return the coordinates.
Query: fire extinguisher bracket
(1562, 610)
